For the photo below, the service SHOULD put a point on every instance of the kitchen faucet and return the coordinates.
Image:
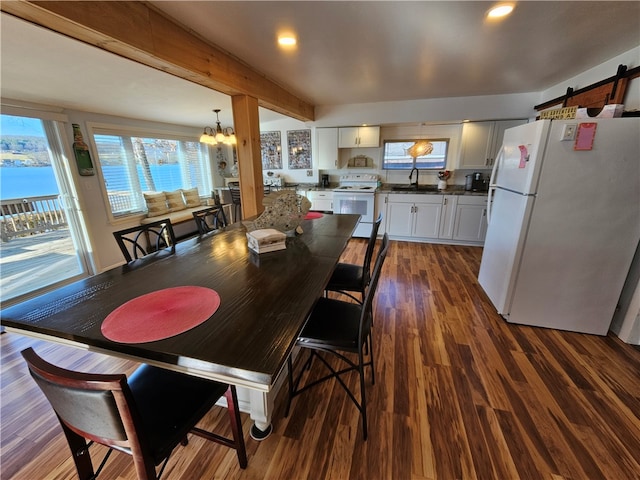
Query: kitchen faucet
(411, 175)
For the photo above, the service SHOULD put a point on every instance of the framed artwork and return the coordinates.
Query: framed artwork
(271, 150)
(299, 148)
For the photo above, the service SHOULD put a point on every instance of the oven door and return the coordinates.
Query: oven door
(360, 203)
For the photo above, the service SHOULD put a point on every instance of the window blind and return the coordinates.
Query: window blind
(131, 165)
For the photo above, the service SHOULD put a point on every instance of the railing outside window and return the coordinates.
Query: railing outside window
(25, 216)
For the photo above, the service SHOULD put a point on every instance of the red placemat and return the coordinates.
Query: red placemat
(161, 314)
(313, 215)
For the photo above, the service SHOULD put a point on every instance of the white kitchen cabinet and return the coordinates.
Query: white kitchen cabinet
(358, 137)
(461, 219)
(413, 215)
(481, 142)
(470, 224)
(321, 200)
(327, 148)
(447, 219)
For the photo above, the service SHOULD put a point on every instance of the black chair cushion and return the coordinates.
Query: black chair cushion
(169, 403)
(348, 277)
(332, 323)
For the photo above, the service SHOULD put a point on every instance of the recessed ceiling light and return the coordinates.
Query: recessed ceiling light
(501, 10)
(287, 40)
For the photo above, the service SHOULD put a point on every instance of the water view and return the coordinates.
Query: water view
(23, 182)
(36, 248)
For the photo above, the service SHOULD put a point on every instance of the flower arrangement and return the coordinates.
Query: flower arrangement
(444, 174)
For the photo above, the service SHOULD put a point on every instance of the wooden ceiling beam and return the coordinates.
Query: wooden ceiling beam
(137, 31)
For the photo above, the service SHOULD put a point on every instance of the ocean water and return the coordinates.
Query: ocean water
(21, 182)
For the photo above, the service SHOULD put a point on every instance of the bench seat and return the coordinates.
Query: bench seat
(179, 216)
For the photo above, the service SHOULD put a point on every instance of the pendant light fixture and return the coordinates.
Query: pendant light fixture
(220, 135)
(420, 148)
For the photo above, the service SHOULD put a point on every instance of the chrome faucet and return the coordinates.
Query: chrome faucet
(411, 176)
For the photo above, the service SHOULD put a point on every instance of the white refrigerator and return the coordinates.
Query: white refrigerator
(564, 223)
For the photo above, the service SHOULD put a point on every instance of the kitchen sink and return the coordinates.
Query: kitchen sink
(414, 188)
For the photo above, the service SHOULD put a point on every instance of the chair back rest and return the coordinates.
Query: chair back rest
(234, 190)
(367, 307)
(91, 405)
(218, 203)
(216, 199)
(138, 241)
(209, 219)
(368, 256)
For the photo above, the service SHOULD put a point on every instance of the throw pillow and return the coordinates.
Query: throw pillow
(175, 201)
(156, 203)
(191, 197)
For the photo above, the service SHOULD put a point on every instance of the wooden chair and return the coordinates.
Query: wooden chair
(210, 219)
(340, 328)
(146, 416)
(348, 277)
(142, 240)
(236, 200)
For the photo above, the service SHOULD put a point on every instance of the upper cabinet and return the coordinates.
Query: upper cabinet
(358, 137)
(327, 148)
(481, 142)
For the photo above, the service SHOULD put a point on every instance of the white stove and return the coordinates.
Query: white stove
(356, 194)
(363, 182)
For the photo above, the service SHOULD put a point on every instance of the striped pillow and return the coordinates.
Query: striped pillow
(175, 201)
(191, 197)
(156, 203)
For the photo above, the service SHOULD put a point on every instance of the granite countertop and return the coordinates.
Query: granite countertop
(426, 190)
(398, 188)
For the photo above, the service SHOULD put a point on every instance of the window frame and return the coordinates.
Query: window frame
(410, 164)
(131, 132)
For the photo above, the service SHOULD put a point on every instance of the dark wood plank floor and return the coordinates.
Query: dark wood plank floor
(459, 394)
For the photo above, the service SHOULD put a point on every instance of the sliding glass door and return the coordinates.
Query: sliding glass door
(40, 245)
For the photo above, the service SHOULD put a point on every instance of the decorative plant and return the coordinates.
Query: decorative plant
(444, 174)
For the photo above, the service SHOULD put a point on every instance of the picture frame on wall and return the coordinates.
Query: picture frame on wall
(271, 150)
(299, 149)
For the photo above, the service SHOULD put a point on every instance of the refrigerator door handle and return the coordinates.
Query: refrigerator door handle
(489, 195)
(494, 170)
(492, 184)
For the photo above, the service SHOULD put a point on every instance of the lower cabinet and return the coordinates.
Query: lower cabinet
(458, 218)
(413, 215)
(470, 223)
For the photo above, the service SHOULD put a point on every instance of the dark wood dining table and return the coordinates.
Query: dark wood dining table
(264, 301)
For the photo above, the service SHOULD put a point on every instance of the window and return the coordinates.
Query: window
(43, 243)
(131, 165)
(397, 154)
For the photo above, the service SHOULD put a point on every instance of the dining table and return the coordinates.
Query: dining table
(221, 311)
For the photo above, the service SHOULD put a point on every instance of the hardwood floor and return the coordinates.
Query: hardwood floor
(459, 394)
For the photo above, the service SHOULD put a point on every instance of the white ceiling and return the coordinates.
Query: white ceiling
(348, 52)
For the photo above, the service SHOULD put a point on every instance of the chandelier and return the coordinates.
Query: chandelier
(220, 135)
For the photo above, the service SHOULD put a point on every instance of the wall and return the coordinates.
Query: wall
(452, 132)
(405, 115)
(293, 175)
(626, 320)
(439, 110)
(92, 202)
(427, 118)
